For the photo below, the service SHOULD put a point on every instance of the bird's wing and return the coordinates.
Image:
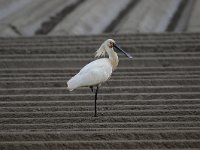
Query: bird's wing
(94, 73)
(96, 63)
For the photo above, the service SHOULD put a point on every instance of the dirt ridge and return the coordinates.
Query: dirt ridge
(150, 102)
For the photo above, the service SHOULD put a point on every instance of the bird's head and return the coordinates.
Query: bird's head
(108, 45)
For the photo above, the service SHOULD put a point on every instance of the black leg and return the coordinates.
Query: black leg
(95, 102)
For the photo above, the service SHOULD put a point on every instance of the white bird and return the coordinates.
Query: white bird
(98, 71)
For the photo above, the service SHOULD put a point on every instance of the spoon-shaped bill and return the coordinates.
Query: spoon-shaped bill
(119, 48)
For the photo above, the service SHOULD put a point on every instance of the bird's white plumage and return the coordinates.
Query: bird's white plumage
(94, 73)
(98, 71)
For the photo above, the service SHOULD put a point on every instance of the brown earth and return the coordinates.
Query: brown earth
(150, 102)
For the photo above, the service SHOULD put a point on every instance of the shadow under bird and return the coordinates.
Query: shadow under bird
(98, 71)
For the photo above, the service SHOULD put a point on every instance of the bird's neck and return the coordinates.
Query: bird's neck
(113, 58)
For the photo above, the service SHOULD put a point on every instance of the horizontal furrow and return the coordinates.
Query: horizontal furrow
(123, 43)
(85, 102)
(113, 144)
(129, 96)
(111, 119)
(115, 77)
(101, 135)
(88, 40)
(91, 49)
(112, 82)
(100, 107)
(91, 55)
(119, 69)
(101, 113)
(99, 125)
(80, 63)
(121, 89)
(117, 74)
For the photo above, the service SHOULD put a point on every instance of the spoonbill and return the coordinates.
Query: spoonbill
(98, 71)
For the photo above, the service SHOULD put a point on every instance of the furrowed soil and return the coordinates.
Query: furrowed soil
(150, 102)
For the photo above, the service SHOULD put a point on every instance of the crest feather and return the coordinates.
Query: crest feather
(101, 51)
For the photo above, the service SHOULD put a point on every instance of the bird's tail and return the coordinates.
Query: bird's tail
(68, 87)
(74, 82)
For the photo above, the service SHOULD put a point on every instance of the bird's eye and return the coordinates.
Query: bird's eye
(111, 44)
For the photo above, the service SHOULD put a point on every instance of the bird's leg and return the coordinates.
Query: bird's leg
(95, 102)
(91, 87)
